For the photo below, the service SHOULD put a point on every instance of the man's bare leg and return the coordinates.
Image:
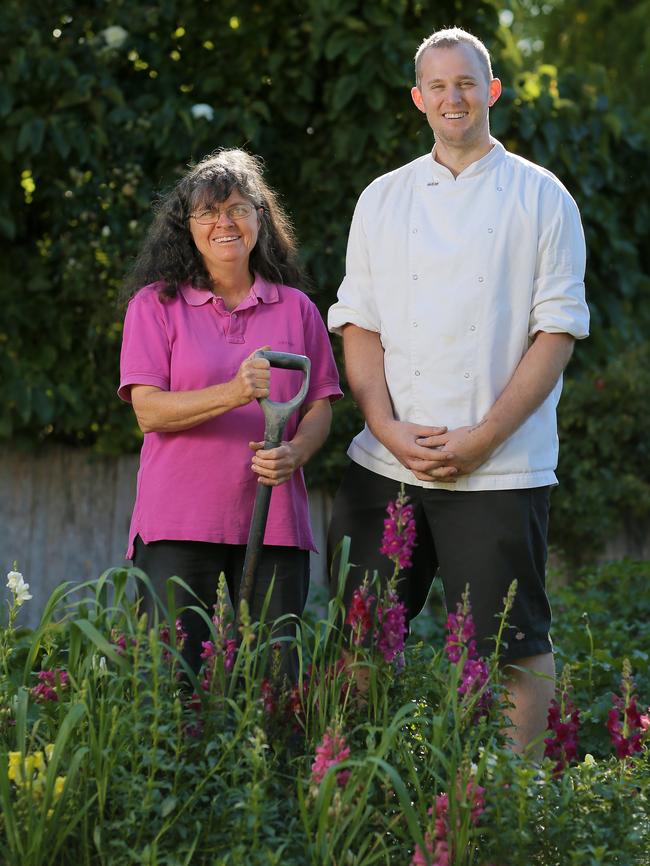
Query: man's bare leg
(530, 696)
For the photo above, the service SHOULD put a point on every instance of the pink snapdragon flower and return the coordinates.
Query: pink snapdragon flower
(460, 634)
(119, 641)
(563, 723)
(226, 648)
(399, 532)
(46, 690)
(624, 721)
(332, 750)
(269, 703)
(359, 615)
(437, 851)
(460, 643)
(391, 627)
(165, 638)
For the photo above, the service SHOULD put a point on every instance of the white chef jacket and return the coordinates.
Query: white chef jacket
(457, 275)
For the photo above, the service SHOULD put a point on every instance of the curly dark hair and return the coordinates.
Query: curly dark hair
(168, 254)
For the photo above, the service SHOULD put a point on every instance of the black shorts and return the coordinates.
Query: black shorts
(199, 564)
(484, 539)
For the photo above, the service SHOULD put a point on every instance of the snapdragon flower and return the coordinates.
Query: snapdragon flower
(332, 750)
(437, 850)
(18, 587)
(48, 683)
(563, 723)
(391, 628)
(398, 539)
(624, 721)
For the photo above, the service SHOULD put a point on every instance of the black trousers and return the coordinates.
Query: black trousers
(484, 539)
(199, 564)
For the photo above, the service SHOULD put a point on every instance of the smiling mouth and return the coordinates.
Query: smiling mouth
(226, 239)
(454, 115)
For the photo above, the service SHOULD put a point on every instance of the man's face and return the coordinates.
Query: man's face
(455, 94)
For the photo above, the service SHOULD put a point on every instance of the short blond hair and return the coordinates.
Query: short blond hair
(449, 38)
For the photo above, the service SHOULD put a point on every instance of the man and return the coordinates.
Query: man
(463, 295)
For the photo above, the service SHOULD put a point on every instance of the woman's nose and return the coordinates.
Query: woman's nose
(224, 218)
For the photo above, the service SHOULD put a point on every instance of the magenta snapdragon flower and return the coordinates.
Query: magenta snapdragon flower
(391, 627)
(226, 648)
(48, 681)
(625, 726)
(437, 851)
(564, 723)
(624, 721)
(359, 615)
(399, 532)
(459, 644)
(332, 750)
(460, 634)
(165, 638)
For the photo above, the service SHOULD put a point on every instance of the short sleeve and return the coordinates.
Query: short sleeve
(558, 304)
(145, 355)
(356, 304)
(324, 376)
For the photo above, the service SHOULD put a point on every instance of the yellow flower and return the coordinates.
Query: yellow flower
(15, 766)
(39, 762)
(49, 750)
(59, 785)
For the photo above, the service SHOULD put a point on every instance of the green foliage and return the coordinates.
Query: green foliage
(583, 34)
(604, 455)
(155, 766)
(602, 617)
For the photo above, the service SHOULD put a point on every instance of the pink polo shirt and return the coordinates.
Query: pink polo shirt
(198, 485)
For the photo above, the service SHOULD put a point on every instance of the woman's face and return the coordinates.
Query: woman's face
(227, 238)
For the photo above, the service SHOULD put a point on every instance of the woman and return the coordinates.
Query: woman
(212, 285)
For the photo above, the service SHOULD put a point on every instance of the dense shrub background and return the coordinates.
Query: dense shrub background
(93, 129)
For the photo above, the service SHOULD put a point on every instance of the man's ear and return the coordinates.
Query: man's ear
(416, 96)
(495, 91)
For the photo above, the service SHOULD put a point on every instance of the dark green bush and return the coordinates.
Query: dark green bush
(604, 469)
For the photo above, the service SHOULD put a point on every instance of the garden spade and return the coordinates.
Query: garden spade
(276, 416)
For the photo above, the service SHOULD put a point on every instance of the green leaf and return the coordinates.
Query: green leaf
(168, 805)
(98, 639)
(31, 135)
(344, 90)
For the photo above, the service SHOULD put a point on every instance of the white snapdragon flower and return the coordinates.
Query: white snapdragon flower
(18, 587)
(115, 36)
(202, 109)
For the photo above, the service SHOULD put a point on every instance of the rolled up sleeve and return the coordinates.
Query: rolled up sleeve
(558, 303)
(356, 304)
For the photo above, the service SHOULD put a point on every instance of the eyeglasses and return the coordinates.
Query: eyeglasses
(211, 215)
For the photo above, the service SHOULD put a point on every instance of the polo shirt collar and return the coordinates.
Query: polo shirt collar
(261, 290)
(435, 171)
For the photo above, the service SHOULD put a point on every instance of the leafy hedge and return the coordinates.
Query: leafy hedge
(104, 106)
